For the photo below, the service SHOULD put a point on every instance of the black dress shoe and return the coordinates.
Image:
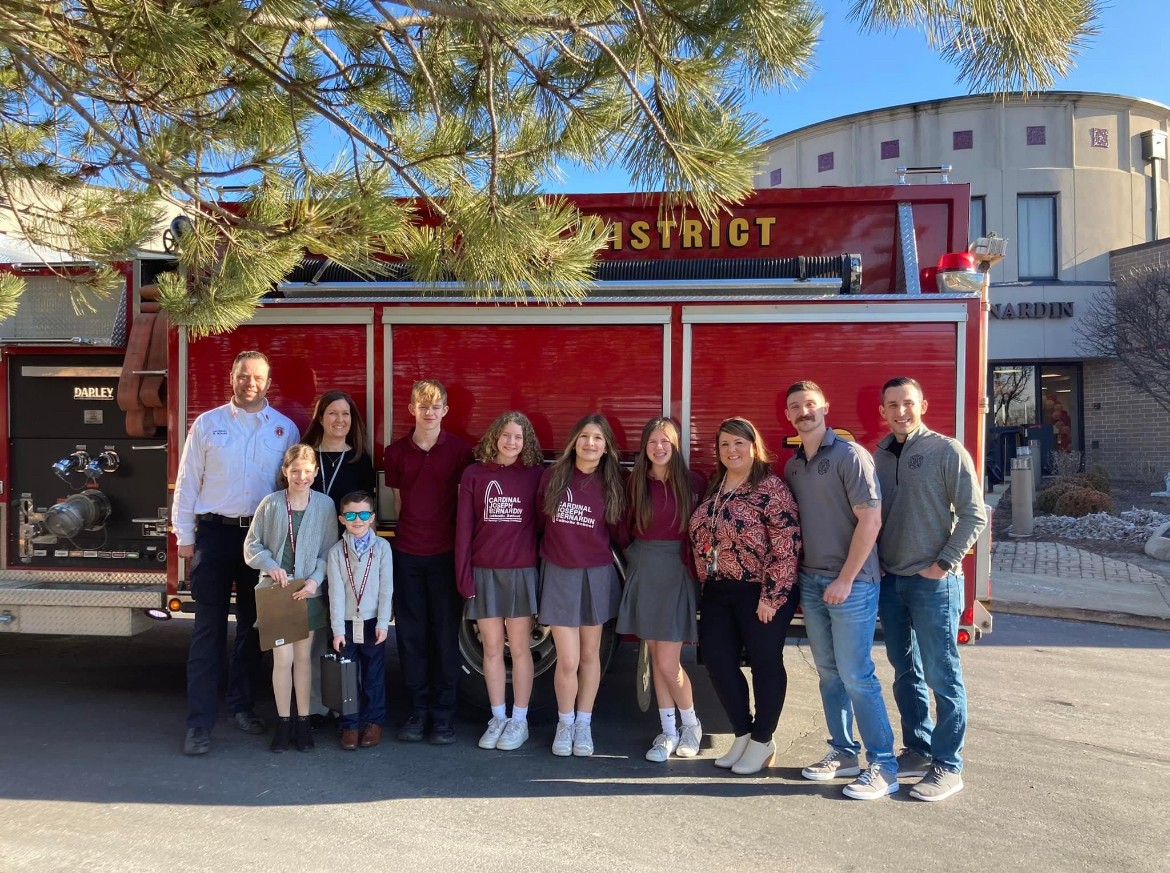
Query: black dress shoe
(414, 730)
(282, 736)
(197, 741)
(316, 721)
(443, 734)
(248, 722)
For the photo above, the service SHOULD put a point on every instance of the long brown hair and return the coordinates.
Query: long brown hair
(761, 457)
(299, 452)
(487, 447)
(677, 479)
(609, 467)
(357, 428)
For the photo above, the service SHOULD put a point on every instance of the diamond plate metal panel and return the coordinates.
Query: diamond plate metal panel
(135, 597)
(78, 578)
(46, 313)
(87, 621)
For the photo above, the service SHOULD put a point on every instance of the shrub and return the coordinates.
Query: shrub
(1052, 491)
(1083, 501)
(1102, 471)
(1095, 481)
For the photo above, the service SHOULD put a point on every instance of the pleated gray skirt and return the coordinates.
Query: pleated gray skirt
(503, 593)
(578, 596)
(659, 600)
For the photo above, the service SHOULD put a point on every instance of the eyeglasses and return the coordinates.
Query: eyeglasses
(364, 515)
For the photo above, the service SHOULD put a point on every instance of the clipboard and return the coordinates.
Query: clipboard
(281, 619)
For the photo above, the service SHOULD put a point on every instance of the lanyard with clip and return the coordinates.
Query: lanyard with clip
(359, 629)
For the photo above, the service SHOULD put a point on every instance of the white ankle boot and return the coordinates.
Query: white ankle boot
(755, 758)
(734, 753)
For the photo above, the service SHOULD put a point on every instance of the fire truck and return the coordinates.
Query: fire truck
(695, 320)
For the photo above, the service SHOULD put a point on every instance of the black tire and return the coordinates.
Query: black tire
(473, 691)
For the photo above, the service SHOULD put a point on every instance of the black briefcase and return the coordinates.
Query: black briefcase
(339, 684)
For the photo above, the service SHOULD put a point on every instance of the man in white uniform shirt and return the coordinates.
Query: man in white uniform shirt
(230, 461)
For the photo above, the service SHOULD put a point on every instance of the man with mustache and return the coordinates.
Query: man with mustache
(837, 493)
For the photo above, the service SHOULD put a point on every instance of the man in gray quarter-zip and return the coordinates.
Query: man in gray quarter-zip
(932, 513)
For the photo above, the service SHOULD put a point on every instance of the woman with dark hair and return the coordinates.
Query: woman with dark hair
(659, 600)
(583, 499)
(745, 538)
(338, 435)
(495, 565)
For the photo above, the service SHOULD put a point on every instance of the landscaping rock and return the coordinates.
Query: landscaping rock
(1135, 526)
(1158, 545)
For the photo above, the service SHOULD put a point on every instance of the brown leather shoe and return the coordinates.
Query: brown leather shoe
(371, 735)
(349, 739)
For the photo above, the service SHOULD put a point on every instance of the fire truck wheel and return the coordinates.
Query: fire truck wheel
(473, 692)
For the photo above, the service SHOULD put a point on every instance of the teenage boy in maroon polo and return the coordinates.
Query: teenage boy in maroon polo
(423, 469)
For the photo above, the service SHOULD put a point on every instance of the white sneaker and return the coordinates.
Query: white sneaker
(491, 736)
(582, 739)
(662, 747)
(562, 745)
(688, 743)
(514, 736)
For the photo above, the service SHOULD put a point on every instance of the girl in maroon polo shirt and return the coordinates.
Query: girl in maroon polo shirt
(495, 565)
(659, 600)
(583, 500)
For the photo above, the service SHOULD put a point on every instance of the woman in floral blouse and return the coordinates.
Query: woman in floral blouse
(746, 540)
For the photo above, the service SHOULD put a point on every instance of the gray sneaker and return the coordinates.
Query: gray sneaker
(938, 784)
(491, 736)
(689, 741)
(562, 745)
(873, 784)
(833, 765)
(912, 764)
(514, 736)
(582, 739)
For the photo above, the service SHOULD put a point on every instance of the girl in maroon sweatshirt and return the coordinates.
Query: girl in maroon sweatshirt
(583, 500)
(659, 603)
(495, 565)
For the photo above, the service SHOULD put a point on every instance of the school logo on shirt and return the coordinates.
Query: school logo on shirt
(915, 462)
(499, 507)
(575, 513)
(823, 466)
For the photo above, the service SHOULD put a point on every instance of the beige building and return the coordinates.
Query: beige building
(1068, 178)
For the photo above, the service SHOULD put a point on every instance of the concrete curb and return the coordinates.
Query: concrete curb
(1068, 613)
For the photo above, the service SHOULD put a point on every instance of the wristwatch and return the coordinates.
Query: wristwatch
(945, 565)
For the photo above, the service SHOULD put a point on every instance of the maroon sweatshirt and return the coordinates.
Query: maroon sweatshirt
(577, 534)
(495, 527)
(664, 524)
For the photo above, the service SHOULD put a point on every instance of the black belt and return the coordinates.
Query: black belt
(225, 520)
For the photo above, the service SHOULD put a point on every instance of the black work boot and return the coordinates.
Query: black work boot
(303, 734)
(282, 735)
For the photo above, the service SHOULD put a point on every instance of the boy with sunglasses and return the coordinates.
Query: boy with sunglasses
(361, 584)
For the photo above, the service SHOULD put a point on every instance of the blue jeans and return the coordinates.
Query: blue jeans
(920, 619)
(841, 638)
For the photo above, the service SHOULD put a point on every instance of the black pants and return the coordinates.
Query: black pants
(427, 612)
(727, 625)
(218, 564)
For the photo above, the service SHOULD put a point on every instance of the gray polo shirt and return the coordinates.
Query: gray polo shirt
(839, 476)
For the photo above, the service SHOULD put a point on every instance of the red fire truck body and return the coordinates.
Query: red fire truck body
(686, 319)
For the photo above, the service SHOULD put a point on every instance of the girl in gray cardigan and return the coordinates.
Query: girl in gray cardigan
(289, 538)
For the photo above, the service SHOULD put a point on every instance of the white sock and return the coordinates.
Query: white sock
(519, 713)
(500, 712)
(584, 717)
(565, 717)
(669, 727)
(689, 719)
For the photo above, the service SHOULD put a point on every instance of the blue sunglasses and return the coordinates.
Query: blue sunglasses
(364, 515)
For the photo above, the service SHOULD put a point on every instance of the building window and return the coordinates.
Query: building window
(1036, 232)
(978, 218)
(1099, 137)
(1036, 135)
(774, 177)
(1013, 394)
(824, 162)
(889, 149)
(1060, 391)
(1034, 402)
(962, 139)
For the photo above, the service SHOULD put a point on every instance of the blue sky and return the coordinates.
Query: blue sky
(856, 73)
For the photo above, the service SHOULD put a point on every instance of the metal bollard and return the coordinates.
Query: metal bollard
(1037, 467)
(1023, 490)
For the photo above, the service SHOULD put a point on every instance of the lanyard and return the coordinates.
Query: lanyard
(327, 488)
(365, 576)
(292, 537)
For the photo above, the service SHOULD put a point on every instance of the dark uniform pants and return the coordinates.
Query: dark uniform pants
(218, 563)
(427, 612)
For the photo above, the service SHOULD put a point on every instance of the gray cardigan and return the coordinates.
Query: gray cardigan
(376, 599)
(268, 535)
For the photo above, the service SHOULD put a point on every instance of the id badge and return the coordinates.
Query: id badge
(359, 631)
(712, 562)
